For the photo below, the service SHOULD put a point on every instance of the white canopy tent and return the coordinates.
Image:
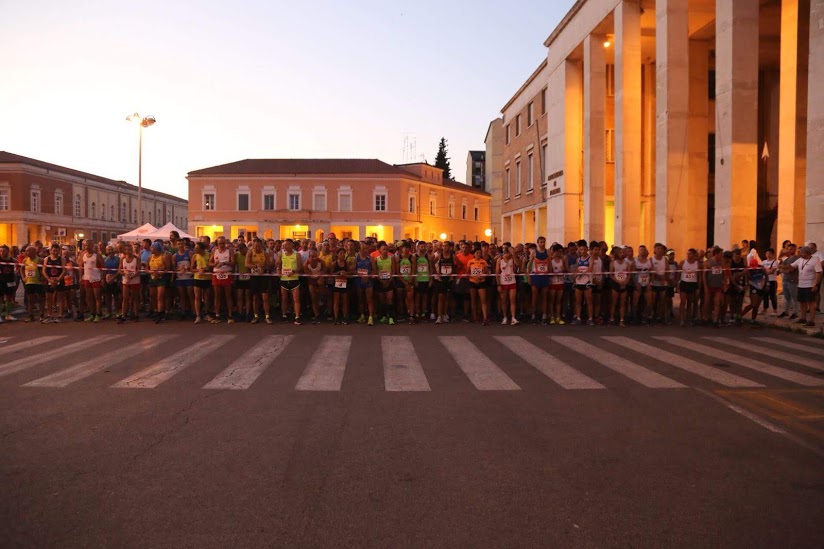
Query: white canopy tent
(163, 233)
(139, 232)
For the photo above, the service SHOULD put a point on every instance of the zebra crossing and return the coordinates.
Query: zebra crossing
(407, 364)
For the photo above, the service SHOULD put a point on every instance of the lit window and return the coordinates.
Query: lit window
(4, 199)
(294, 201)
(451, 210)
(209, 202)
(431, 207)
(610, 146)
(268, 202)
(476, 216)
(411, 204)
(243, 202)
(380, 202)
(463, 211)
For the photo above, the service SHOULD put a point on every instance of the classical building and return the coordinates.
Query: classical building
(353, 198)
(691, 122)
(50, 203)
(476, 169)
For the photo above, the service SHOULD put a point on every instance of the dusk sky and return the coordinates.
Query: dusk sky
(234, 80)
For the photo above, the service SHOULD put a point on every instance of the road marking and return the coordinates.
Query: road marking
(97, 363)
(241, 373)
(55, 354)
(559, 372)
(752, 364)
(718, 376)
(481, 371)
(790, 344)
(402, 370)
(642, 375)
(766, 351)
(327, 365)
(157, 373)
(29, 344)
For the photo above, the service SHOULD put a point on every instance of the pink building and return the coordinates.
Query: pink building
(355, 198)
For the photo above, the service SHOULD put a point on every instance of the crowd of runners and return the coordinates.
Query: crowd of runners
(369, 281)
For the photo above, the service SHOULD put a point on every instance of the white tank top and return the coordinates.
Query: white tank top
(557, 266)
(620, 268)
(660, 268)
(223, 257)
(90, 271)
(128, 268)
(642, 277)
(507, 275)
(690, 272)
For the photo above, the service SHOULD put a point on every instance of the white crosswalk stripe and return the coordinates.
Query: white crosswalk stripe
(757, 365)
(556, 370)
(55, 354)
(692, 366)
(402, 369)
(325, 369)
(481, 371)
(35, 343)
(791, 344)
(241, 373)
(642, 375)
(98, 363)
(767, 351)
(157, 373)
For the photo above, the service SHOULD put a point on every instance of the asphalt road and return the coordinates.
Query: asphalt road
(170, 436)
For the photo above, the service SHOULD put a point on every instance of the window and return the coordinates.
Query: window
(111, 213)
(517, 179)
(543, 101)
(611, 80)
(431, 207)
(94, 236)
(150, 217)
(319, 202)
(517, 125)
(158, 215)
(507, 134)
(711, 85)
(77, 204)
(610, 146)
(411, 204)
(477, 212)
(58, 204)
(123, 212)
(463, 211)
(543, 164)
(34, 206)
(380, 202)
(269, 202)
(94, 210)
(104, 237)
(529, 173)
(4, 200)
(345, 202)
(243, 202)
(294, 201)
(508, 184)
(103, 211)
(529, 112)
(345, 234)
(209, 202)
(451, 210)
(134, 218)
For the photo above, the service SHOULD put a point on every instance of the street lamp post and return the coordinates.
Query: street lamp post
(143, 122)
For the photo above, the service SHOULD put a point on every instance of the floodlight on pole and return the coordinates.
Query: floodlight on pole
(143, 122)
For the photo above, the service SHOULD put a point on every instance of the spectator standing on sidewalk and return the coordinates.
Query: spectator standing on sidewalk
(789, 283)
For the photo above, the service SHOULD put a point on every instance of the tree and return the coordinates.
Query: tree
(442, 161)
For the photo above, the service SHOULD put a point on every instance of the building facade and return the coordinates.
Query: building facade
(690, 122)
(493, 179)
(476, 169)
(50, 203)
(352, 198)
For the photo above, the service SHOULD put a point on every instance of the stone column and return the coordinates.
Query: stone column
(698, 127)
(595, 96)
(790, 182)
(627, 122)
(672, 116)
(736, 133)
(815, 128)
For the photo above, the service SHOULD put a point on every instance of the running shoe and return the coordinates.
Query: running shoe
(56, 320)
(10, 318)
(361, 319)
(383, 320)
(514, 322)
(197, 320)
(315, 320)
(590, 322)
(560, 321)
(370, 322)
(268, 321)
(392, 321)
(297, 321)
(255, 320)
(215, 320)
(105, 316)
(438, 320)
(344, 321)
(432, 316)
(484, 323)
(46, 320)
(96, 319)
(89, 318)
(504, 322)
(230, 320)
(622, 324)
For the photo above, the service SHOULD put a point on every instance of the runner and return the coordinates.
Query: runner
(737, 287)
(111, 283)
(478, 268)
(259, 263)
(405, 283)
(714, 287)
(159, 265)
(183, 279)
(203, 283)
(386, 267)
(642, 266)
(444, 272)
(507, 287)
(771, 296)
(90, 267)
(222, 263)
(53, 269)
(597, 282)
(363, 285)
(620, 278)
(659, 282)
(423, 282)
(129, 270)
(558, 266)
(583, 284)
(340, 291)
(757, 285)
(314, 268)
(8, 284)
(243, 298)
(688, 287)
(539, 280)
(289, 266)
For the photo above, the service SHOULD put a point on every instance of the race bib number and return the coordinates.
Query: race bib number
(406, 269)
(583, 270)
(423, 268)
(363, 272)
(244, 276)
(508, 279)
(287, 272)
(446, 269)
(68, 280)
(110, 278)
(222, 276)
(476, 271)
(31, 272)
(255, 270)
(688, 277)
(716, 270)
(10, 284)
(540, 268)
(643, 278)
(340, 283)
(385, 275)
(620, 277)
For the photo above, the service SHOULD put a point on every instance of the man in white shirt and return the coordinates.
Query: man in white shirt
(819, 255)
(810, 273)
